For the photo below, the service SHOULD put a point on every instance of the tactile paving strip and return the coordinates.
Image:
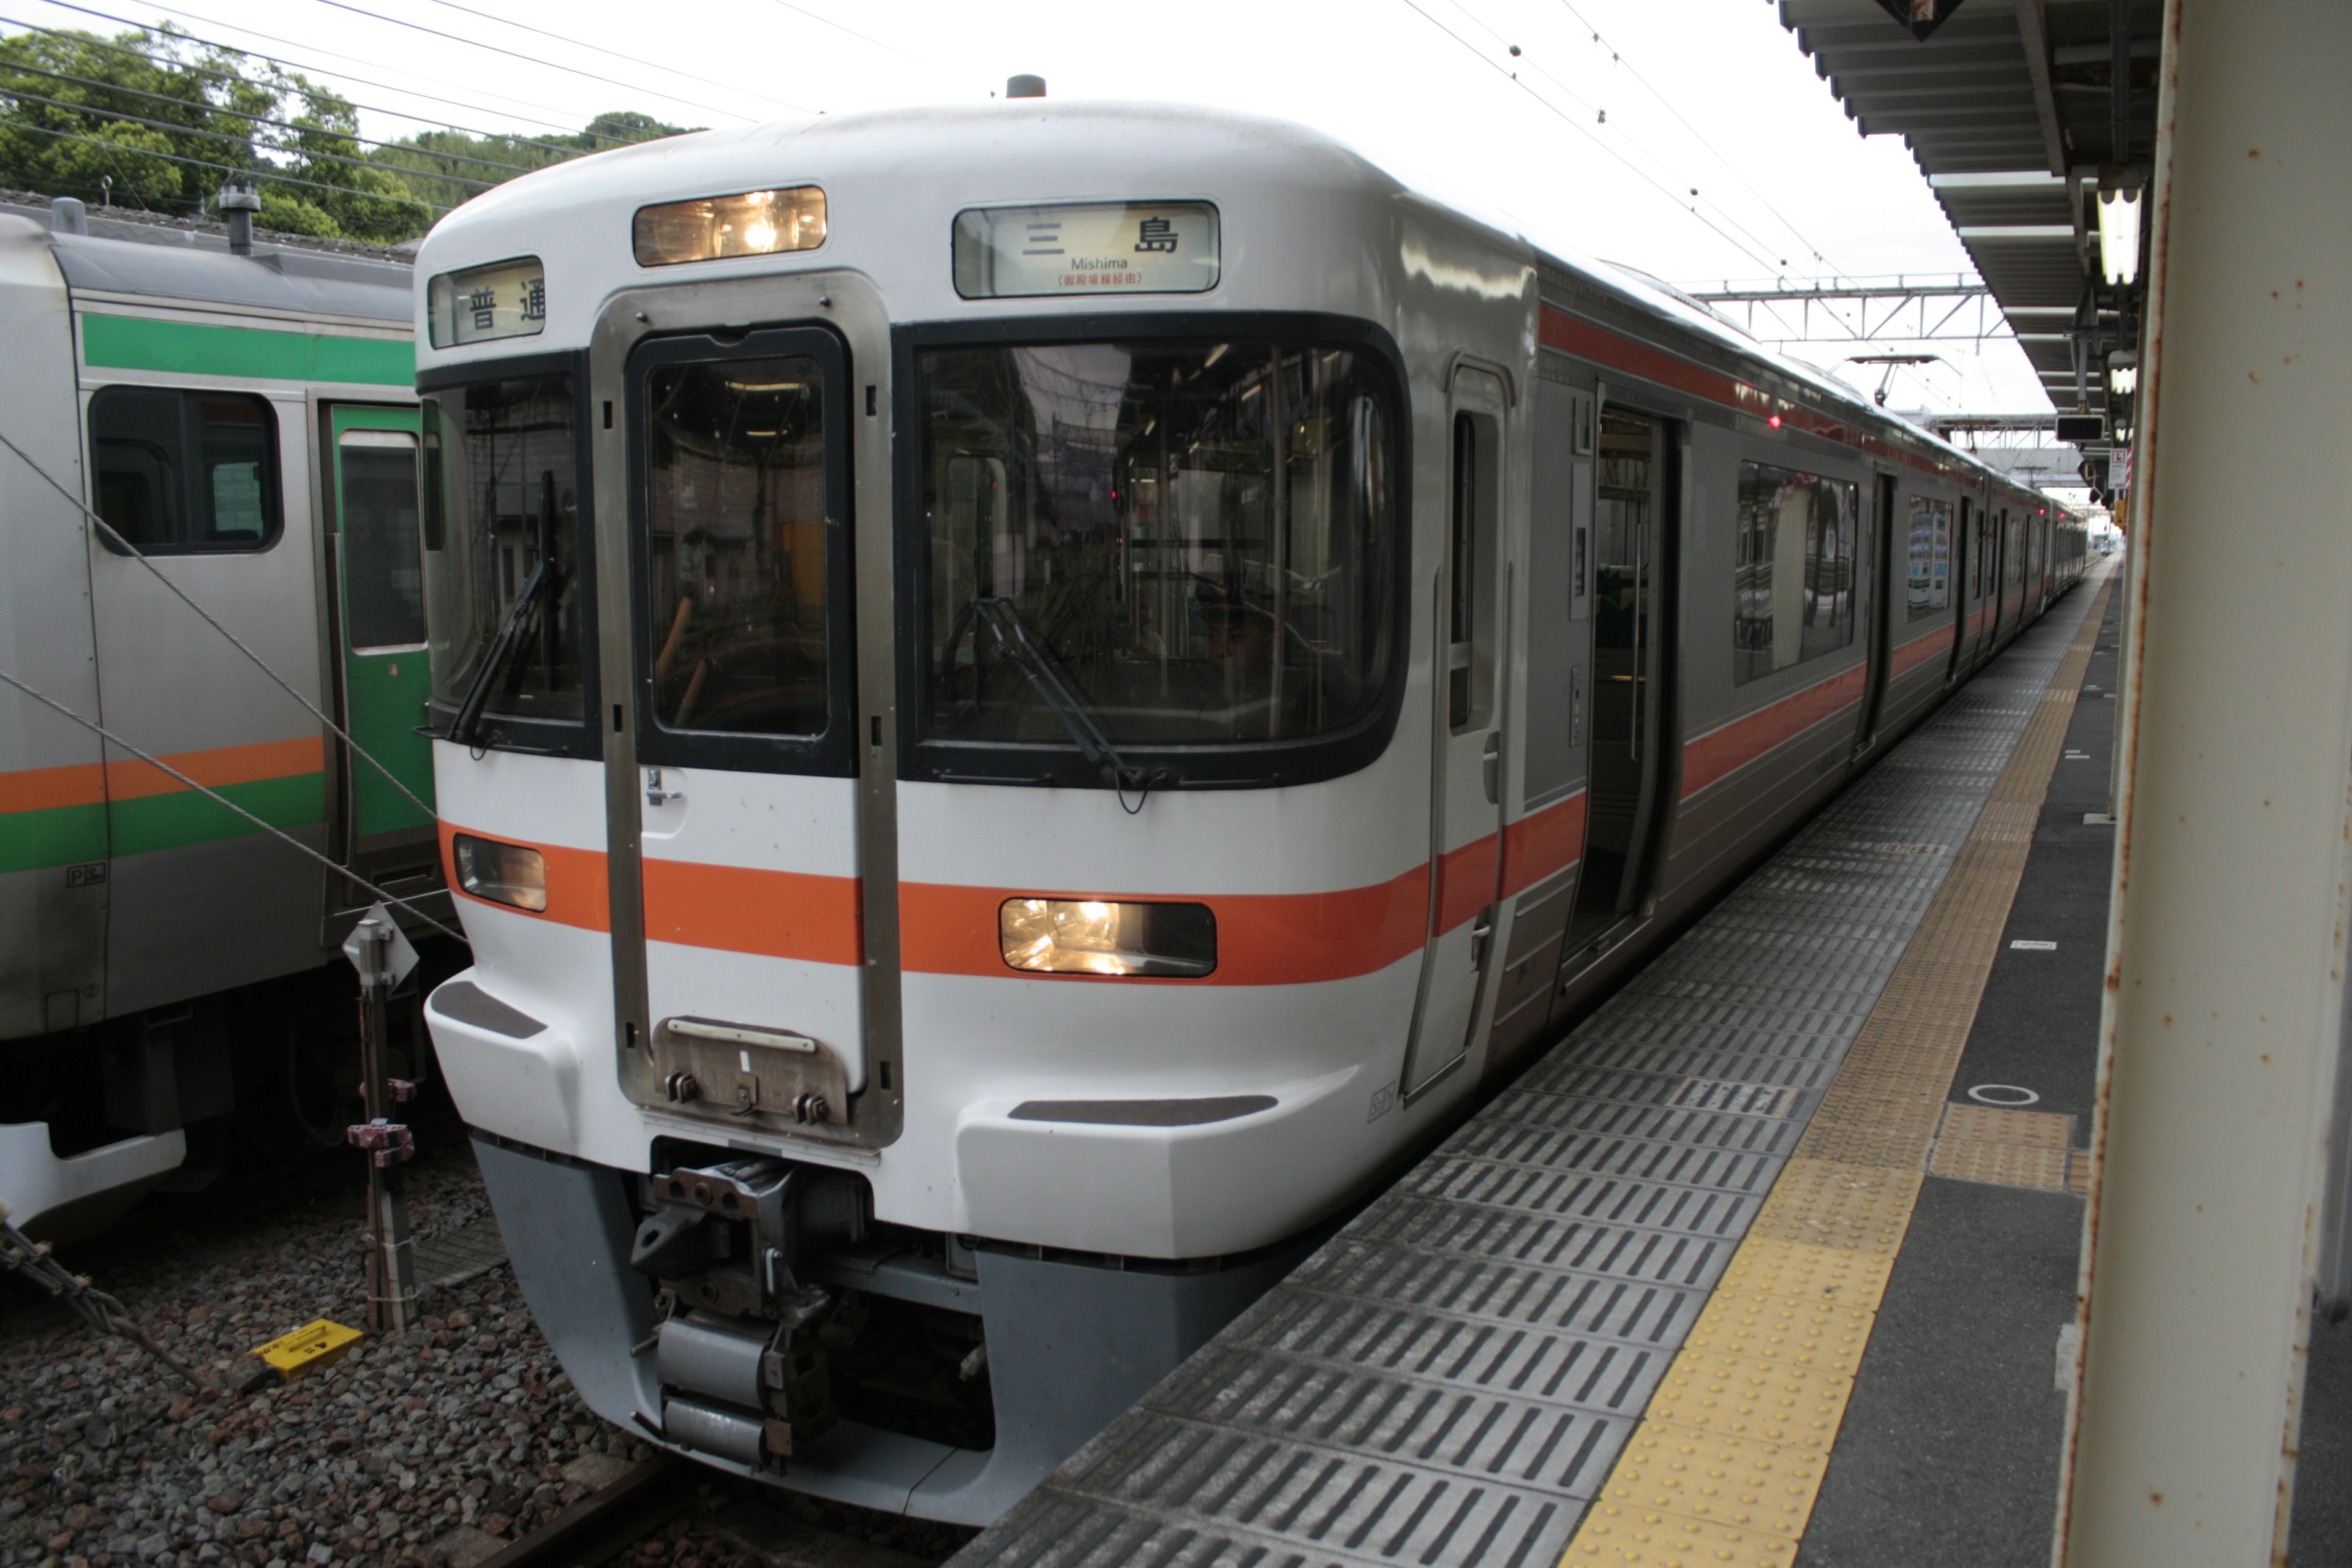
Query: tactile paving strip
(1638, 1281)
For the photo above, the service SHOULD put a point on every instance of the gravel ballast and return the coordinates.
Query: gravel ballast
(431, 1447)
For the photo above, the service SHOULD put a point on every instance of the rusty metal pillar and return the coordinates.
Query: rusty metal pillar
(2226, 950)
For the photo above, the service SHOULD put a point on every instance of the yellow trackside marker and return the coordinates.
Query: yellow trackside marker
(308, 1348)
(1723, 1471)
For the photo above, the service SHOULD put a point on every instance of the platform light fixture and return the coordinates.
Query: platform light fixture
(2123, 370)
(2119, 236)
(1099, 936)
(711, 229)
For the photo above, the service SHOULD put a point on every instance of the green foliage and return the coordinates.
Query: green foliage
(152, 119)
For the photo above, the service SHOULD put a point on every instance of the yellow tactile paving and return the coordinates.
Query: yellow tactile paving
(1851, 1207)
(1833, 1275)
(2078, 1172)
(1724, 1467)
(1995, 1124)
(1716, 1479)
(1765, 1402)
(2002, 1164)
(1767, 1326)
(1613, 1533)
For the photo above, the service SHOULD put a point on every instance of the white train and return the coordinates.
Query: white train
(247, 418)
(1032, 697)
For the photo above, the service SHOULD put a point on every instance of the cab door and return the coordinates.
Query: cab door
(379, 584)
(1466, 781)
(743, 734)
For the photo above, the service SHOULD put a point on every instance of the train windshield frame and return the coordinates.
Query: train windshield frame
(1172, 548)
(509, 570)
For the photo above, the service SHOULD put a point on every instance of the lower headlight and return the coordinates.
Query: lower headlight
(502, 873)
(1093, 936)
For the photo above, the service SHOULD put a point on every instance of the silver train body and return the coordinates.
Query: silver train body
(248, 421)
(1033, 698)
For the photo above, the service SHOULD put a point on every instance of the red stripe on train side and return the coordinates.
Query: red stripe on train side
(1911, 655)
(1729, 747)
(1571, 334)
(1542, 843)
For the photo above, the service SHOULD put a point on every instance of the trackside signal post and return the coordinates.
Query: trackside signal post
(380, 953)
(2227, 941)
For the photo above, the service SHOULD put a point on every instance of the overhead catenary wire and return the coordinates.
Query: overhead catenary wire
(616, 54)
(115, 538)
(331, 70)
(204, 108)
(843, 27)
(1571, 120)
(264, 171)
(1522, 58)
(218, 74)
(1617, 56)
(550, 65)
(153, 761)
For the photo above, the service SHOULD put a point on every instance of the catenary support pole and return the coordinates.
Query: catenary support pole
(2226, 947)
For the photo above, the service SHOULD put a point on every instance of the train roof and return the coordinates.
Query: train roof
(189, 259)
(945, 158)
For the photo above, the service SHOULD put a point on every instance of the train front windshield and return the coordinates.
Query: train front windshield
(502, 546)
(1198, 543)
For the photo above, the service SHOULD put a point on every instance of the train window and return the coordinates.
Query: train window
(1470, 577)
(383, 575)
(735, 574)
(1793, 569)
(1930, 578)
(1174, 544)
(185, 472)
(501, 532)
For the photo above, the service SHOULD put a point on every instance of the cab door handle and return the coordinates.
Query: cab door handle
(1494, 765)
(654, 793)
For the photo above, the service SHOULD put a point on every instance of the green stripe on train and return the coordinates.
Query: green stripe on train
(183, 817)
(129, 342)
(61, 835)
(70, 835)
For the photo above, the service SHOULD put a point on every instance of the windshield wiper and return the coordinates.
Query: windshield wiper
(543, 580)
(502, 649)
(1003, 619)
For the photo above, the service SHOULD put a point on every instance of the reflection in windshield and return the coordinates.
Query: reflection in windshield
(500, 497)
(1200, 538)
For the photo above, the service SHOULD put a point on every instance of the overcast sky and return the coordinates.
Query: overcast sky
(1710, 94)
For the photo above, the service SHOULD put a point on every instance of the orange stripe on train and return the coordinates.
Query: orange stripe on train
(129, 778)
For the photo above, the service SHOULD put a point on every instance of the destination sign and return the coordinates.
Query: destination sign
(504, 299)
(1086, 248)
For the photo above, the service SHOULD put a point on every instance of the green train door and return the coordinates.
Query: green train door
(379, 569)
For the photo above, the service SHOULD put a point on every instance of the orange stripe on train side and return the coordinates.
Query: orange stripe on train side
(1543, 843)
(1919, 650)
(1720, 751)
(578, 893)
(129, 778)
(1587, 341)
(735, 909)
(1263, 939)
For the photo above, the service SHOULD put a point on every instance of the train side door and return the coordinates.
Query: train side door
(1963, 569)
(1879, 572)
(743, 732)
(379, 582)
(1625, 764)
(1466, 779)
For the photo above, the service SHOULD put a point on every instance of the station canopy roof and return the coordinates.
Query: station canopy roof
(2010, 110)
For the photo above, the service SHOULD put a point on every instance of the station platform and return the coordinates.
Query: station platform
(1771, 1260)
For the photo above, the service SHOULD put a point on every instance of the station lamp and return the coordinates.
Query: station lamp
(2123, 370)
(2119, 236)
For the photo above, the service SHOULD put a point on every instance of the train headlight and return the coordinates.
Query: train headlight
(1094, 936)
(757, 222)
(502, 873)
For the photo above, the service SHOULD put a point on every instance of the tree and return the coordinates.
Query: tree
(149, 118)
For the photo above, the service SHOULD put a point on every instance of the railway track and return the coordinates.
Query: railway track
(722, 1518)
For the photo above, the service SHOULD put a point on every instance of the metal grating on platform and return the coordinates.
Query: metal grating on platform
(1451, 1377)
